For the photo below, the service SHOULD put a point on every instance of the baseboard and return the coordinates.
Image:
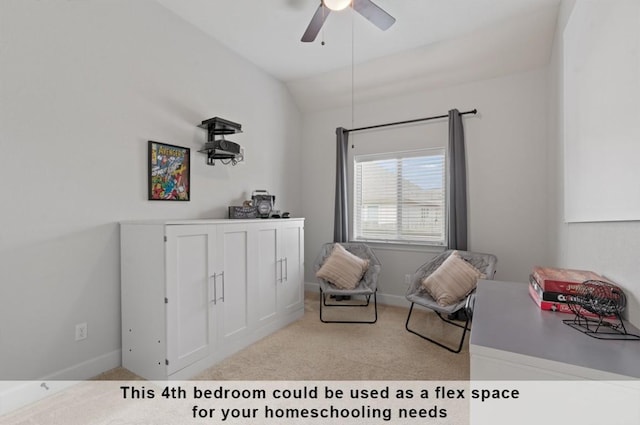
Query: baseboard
(89, 368)
(388, 299)
(394, 300)
(311, 287)
(16, 394)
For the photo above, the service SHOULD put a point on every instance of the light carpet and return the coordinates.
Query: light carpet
(311, 350)
(307, 350)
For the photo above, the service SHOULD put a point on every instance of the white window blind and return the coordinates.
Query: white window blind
(400, 197)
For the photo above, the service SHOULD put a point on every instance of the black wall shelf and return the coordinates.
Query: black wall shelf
(226, 151)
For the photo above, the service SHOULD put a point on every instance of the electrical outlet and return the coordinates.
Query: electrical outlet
(81, 331)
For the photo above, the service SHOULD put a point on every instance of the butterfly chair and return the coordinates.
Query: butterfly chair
(364, 289)
(417, 293)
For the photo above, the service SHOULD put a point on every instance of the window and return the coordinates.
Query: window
(370, 213)
(400, 197)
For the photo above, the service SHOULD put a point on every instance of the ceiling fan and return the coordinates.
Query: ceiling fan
(366, 8)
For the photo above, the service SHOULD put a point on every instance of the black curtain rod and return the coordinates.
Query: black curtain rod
(474, 111)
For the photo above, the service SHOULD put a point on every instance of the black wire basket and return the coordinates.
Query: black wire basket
(598, 307)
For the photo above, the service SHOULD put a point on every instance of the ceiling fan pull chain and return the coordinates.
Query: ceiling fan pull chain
(322, 28)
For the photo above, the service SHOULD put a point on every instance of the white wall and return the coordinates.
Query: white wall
(506, 155)
(85, 85)
(608, 248)
(601, 111)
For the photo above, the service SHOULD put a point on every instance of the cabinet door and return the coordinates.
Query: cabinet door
(269, 272)
(189, 294)
(233, 286)
(290, 290)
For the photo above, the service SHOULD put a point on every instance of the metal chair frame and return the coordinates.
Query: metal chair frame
(464, 328)
(486, 263)
(323, 301)
(367, 286)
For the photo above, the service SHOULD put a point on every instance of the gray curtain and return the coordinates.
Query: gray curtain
(457, 235)
(341, 217)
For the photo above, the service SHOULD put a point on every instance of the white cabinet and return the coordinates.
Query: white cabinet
(190, 297)
(280, 269)
(194, 292)
(269, 272)
(290, 294)
(234, 259)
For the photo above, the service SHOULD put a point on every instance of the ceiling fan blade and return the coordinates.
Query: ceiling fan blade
(316, 23)
(374, 13)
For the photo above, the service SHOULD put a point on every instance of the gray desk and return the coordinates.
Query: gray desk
(512, 338)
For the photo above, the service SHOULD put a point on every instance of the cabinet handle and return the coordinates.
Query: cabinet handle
(281, 270)
(214, 288)
(222, 298)
(286, 268)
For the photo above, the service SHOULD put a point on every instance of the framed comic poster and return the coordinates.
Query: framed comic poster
(169, 172)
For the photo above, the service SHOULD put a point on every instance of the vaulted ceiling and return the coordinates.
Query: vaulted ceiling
(433, 43)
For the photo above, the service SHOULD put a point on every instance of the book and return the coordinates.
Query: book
(564, 281)
(546, 295)
(558, 307)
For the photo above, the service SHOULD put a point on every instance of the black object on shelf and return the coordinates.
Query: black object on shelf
(264, 202)
(217, 126)
(606, 302)
(242, 212)
(226, 151)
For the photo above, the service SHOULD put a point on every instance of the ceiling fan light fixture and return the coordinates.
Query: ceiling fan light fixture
(367, 8)
(337, 4)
